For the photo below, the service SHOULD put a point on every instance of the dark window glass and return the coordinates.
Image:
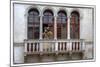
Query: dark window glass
(33, 24)
(74, 25)
(48, 16)
(62, 25)
(33, 16)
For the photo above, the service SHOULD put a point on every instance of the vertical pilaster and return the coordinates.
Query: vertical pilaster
(26, 25)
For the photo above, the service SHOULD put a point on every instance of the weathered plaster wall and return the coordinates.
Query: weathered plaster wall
(18, 53)
(86, 31)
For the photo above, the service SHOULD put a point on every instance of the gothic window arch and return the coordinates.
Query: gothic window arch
(62, 25)
(33, 23)
(75, 25)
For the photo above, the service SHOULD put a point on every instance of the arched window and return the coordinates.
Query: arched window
(33, 24)
(48, 24)
(75, 25)
(62, 25)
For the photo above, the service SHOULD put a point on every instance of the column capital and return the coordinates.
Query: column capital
(69, 17)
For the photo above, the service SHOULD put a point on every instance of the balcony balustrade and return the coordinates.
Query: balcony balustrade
(53, 46)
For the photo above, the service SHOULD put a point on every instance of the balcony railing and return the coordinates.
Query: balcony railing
(53, 46)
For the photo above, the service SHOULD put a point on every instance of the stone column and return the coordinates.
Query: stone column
(68, 30)
(55, 27)
(68, 26)
(55, 32)
(41, 31)
(41, 27)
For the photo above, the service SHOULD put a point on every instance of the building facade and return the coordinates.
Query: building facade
(44, 32)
